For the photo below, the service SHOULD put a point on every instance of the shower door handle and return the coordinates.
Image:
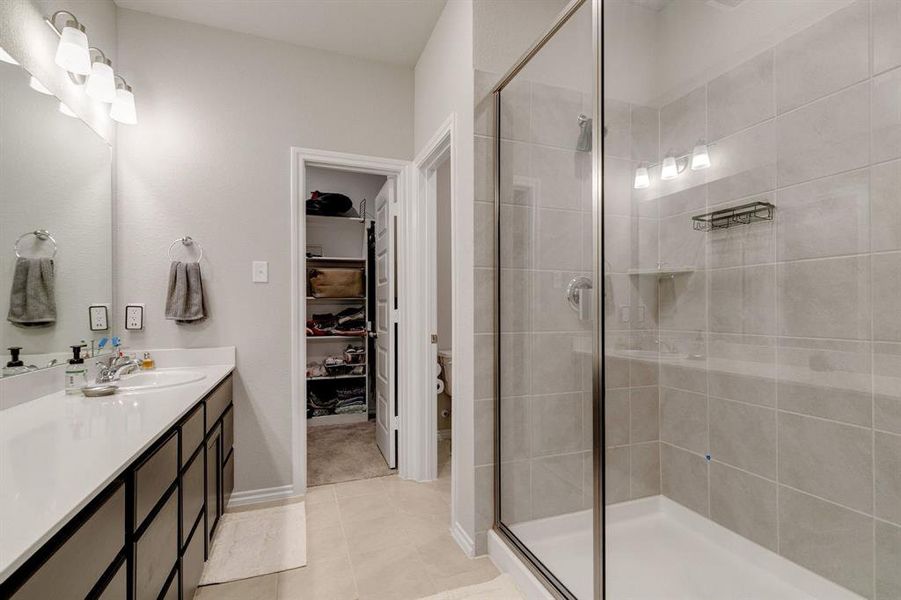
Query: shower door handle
(579, 295)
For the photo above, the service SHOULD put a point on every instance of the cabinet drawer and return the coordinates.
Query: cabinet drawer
(228, 431)
(192, 564)
(228, 480)
(156, 551)
(78, 564)
(192, 496)
(154, 476)
(117, 588)
(217, 402)
(192, 431)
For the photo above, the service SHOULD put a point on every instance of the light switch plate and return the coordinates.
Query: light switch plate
(98, 316)
(260, 271)
(134, 316)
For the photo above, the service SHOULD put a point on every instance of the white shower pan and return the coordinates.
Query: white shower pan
(658, 550)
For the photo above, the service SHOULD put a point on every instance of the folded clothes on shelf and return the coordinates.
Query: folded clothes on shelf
(350, 321)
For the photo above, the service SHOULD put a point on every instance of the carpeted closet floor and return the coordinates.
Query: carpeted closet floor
(338, 453)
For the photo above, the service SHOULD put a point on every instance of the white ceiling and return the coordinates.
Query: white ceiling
(393, 31)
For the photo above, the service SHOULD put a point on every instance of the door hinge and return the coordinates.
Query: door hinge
(395, 423)
(434, 338)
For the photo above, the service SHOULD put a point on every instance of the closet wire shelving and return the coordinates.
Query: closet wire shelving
(363, 262)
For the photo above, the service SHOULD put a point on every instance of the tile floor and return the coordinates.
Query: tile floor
(382, 538)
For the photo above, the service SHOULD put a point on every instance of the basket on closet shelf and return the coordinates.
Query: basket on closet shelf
(336, 283)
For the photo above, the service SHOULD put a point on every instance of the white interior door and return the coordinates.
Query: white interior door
(386, 322)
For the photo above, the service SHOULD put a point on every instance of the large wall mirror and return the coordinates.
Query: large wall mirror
(55, 227)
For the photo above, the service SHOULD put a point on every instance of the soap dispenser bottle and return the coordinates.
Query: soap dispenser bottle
(76, 372)
(14, 366)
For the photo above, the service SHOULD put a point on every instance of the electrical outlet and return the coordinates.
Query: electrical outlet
(260, 271)
(98, 316)
(134, 317)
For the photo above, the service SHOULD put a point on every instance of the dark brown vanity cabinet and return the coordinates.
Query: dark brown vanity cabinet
(147, 535)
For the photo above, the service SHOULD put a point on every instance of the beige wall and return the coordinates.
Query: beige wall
(210, 158)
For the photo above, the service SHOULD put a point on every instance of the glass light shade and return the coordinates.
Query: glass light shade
(66, 110)
(37, 86)
(642, 180)
(123, 109)
(101, 85)
(669, 169)
(700, 158)
(5, 57)
(72, 52)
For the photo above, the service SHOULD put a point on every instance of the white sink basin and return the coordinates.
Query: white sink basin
(154, 380)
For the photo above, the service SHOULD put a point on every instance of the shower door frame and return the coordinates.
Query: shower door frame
(525, 555)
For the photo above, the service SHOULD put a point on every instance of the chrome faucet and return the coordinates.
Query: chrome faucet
(115, 367)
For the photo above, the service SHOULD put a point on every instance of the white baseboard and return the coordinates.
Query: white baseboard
(507, 562)
(463, 540)
(444, 434)
(261, 495)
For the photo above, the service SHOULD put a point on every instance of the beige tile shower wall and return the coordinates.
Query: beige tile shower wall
(545, 208)
(784, 421)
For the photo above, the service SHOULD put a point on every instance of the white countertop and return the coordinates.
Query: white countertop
(58, 452)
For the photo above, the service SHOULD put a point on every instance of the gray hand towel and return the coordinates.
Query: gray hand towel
(31, 297)
(184, 299)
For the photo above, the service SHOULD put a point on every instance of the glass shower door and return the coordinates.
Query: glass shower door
(545, 314)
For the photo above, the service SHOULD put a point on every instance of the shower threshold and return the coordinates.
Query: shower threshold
(657, 549)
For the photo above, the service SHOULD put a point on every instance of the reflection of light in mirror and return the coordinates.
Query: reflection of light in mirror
(669, 169)
(5, 57)
(642, 179)
(700, 158)
(37, 86)
(72, 54)
(66, 110)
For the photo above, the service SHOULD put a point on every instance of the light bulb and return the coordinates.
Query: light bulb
(66, 110)
(37, 86)
(72, 52)
(669, 169)
(123, 109)
(642, 180)
(101, 85)
(700, 158)
(5, 57)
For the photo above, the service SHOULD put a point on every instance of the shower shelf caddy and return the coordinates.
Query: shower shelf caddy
(734, 215)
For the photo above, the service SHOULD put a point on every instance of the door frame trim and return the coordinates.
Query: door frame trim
(301, 158)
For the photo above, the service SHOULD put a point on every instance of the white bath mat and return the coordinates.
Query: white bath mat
(257, 542)
(499, 588)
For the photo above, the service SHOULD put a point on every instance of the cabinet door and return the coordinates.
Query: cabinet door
(213, 482)
(154, 476)
(192, 495)
(228, 480)
(156, 551)
(192, 564)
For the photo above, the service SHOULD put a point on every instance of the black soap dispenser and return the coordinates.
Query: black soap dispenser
(76, 372)
(14, 366)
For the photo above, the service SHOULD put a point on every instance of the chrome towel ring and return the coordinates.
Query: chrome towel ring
(41, 234)
(186, 241)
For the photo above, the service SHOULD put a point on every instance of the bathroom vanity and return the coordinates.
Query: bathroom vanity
(115, 497)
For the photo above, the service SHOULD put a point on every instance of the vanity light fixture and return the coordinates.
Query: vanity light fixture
(37, 86)
(5, 57)
(63, 108)
(669, 170)
(700, 157)
(123, 108)
(72, 53)
(642, 179)
(102, 82)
